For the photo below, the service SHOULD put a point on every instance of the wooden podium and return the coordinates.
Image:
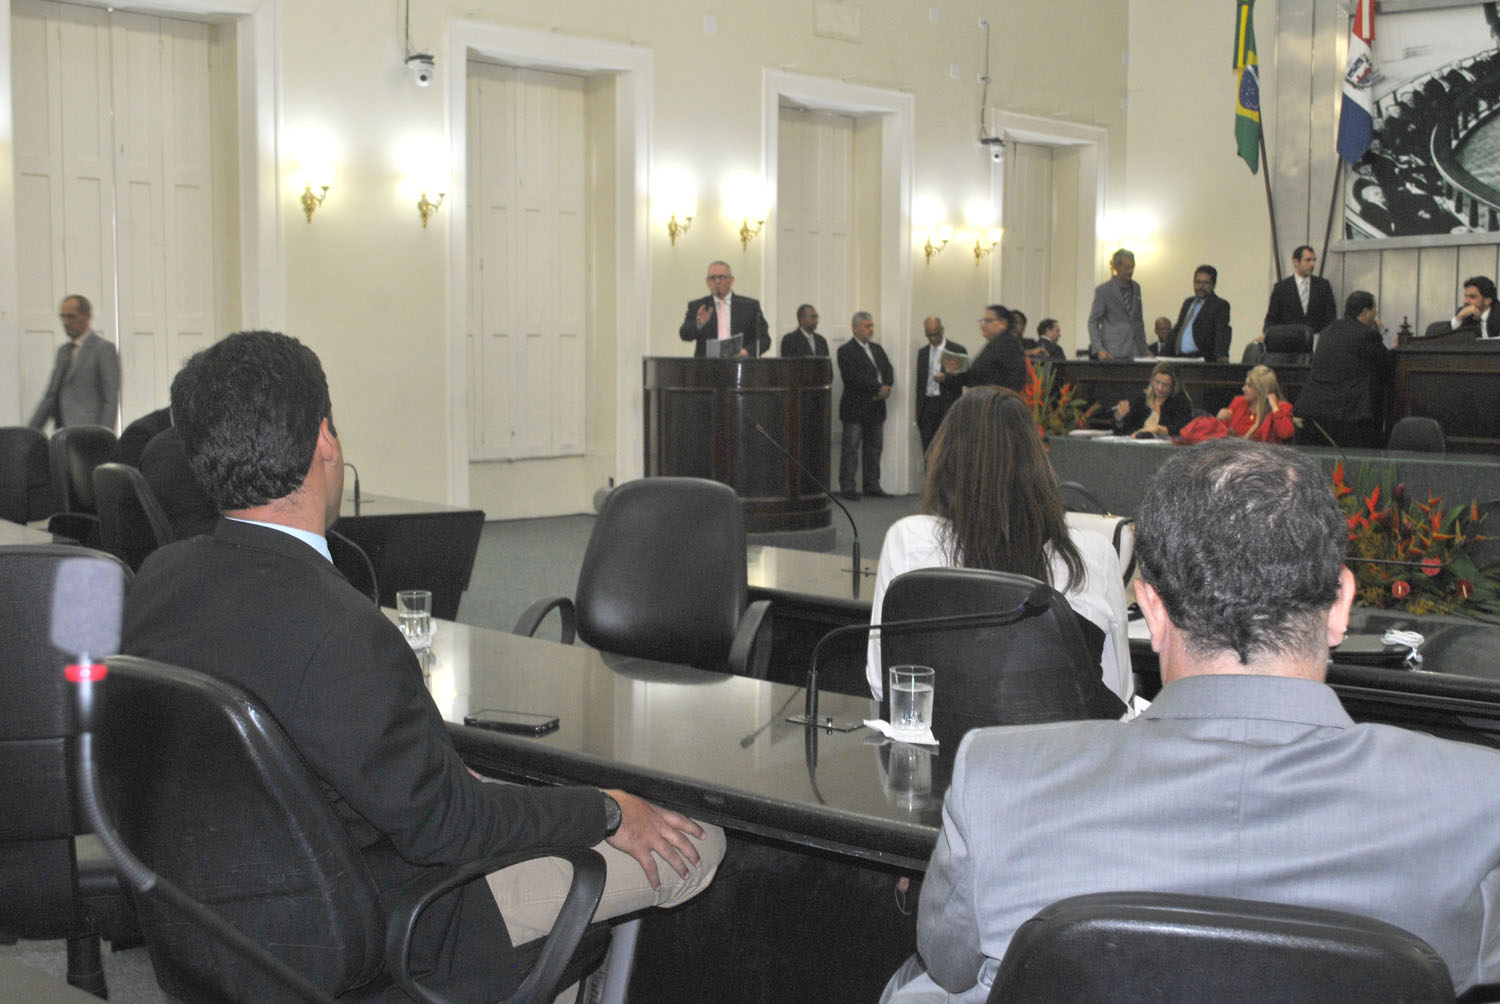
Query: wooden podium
(700, 417)
(1454, 379)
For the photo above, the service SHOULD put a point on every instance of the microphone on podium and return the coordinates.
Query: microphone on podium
(854, 549)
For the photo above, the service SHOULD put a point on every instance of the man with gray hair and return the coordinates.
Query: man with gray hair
(1245, 778)
(721, 316)
(868, 377)
(1117, 325)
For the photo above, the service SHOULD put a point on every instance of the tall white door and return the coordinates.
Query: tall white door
(113, 156)
(1026, 279)
(528, 306)
(815, 215)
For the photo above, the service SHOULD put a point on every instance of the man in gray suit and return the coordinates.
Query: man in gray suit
(1117, 325)
(85, 385)
(1245, 777)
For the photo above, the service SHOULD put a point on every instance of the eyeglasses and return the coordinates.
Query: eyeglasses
(711, 278)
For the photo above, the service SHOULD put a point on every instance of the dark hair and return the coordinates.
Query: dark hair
(1121, 254)
(248, 409)
(1000, 312)
(1244, 543)
(1297, 252)
(1484, 284)
(84, 307)
(804, 309)
(1208, 270)
(1358, 302)
(1017, 313)
(1045, 325)
(989, 477)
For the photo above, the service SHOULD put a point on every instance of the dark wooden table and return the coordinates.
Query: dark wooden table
(415, 545)
(717, 747)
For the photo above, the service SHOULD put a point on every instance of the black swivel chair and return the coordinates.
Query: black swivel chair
(46, 890)
(74, 452)
(664, 578)
(1288, 345)
(1423, 435)
(25, 475)
(1181, 949)
(207, 791)
(1042, 669)
(131, 522)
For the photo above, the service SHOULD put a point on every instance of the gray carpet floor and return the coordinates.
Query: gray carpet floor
(518, 561)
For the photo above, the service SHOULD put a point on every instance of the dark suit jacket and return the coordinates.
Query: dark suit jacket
(794, 343)
(1470, 325)
(948, 391)
(863, 381)
(1348, 377)
(1001, 364)
(1054, 351)
(260, 608)
(1286, 306)
(1211, 331)
(745, 319)
(85, 391)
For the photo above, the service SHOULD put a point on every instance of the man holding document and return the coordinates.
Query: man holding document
(722, 324)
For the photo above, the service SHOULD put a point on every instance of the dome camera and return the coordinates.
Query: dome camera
(422, 67)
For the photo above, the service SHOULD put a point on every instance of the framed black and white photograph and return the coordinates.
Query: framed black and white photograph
(1433, 166)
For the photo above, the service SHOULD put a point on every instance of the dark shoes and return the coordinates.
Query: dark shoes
(849, 496)
(876, 493)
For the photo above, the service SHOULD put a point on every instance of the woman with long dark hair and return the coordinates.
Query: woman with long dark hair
(992, 501)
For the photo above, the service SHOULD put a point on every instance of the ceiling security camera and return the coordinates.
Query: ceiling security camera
(422, 67)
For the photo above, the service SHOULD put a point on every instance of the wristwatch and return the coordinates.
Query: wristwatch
(612, 814)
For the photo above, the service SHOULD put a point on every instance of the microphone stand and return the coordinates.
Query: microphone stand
(356, 485)
(1035, 604)
(854, 556)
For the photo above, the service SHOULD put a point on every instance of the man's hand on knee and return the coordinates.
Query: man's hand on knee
(645, 828)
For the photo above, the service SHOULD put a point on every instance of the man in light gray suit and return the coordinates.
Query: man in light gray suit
(85, 385)
(1117, 325)
(1245, 777)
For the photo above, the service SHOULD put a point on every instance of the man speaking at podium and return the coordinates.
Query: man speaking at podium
(721, 316)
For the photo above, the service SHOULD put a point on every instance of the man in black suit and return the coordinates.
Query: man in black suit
(720, 315)
(1001, 363)
(1301, 298)
(937, 394)
(868, 377)
(260, 603)
(1347, 381)
(1202, 327)
(804, 340)
(1476, 315)
(1048, 333)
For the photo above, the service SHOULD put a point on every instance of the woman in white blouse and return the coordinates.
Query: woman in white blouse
(991, 501)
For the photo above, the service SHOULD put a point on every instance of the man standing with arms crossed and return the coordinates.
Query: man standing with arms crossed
(868, 376)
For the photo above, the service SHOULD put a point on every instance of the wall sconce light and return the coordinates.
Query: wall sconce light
(986, 242)
(311, 202)
(745, 200)
(943, 234)
(675, 229)
(676, 195)
(315, 150)
(427, 207)
(747, 234)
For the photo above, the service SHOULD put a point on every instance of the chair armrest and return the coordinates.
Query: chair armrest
(541, 983)
(531, 618)
(750, 654)
(76, 526)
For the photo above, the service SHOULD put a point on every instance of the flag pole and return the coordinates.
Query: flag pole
(1265, 162)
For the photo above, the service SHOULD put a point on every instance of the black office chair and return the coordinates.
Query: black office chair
(74, 453)
(1288, 345)
(1423, 435)
(664, 578)
(1042, 669)
(25, 475)
(1181, 949)
(1077, 498)
(207, 791)
(131, 523)
(47, 891)
(352, 562)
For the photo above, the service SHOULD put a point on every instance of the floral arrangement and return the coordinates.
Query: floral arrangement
(1417, 553)
(1055, 410)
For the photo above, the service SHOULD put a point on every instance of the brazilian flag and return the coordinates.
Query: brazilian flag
(1247, 85)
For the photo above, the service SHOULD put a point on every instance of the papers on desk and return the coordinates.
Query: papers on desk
(884, 728)
(1090, 433)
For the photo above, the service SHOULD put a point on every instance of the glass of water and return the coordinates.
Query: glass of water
(414, 613)
(911, 689)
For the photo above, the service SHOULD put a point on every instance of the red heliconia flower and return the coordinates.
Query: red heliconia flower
(1401, 589)
(1431, 566)
(1400, 492)
(1465, 588)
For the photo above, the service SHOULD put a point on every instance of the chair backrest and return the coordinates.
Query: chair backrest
(1077, 498)
(1179, 949)
(38, 866)
(663, 576)
(354, 564)
(1288, 344)
(1417, 433)
(1039, 670)
(206, 790)
(1117, 531)
(25, 475)
(131, 522)
(75, 451)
